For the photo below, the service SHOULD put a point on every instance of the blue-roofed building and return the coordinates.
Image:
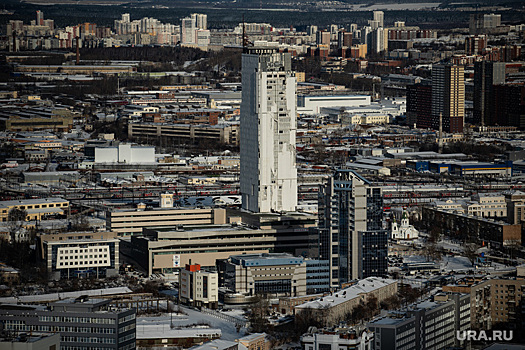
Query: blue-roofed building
(418, 165)
(483, 169)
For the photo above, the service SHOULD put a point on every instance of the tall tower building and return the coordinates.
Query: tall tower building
(311, 30)
(200, 20)
(268, 128)
(448, 97)
(351, 234)
(376, 42)
(379, 17)
(486, 75)
(188, 31)
(419, 105)
(39, 18)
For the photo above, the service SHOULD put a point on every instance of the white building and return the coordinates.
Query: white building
(188, 31)
(194, 30)
(268, 128)
(125, 153)
(377, 41)
(314, 104)
(379, 17)
(405, 231)
(337, 339)
(201, 20)
(199, 288)
(80, 254)
(485, 205)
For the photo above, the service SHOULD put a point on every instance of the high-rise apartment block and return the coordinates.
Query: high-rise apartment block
(475, 44)
(509, 104)
(484, 23)
(268, 125)
(201, 21)
(419, 105)
(187, 31)
(377, 41)
(448, 97)
(379, 17)
(323, 38)
(344, 39)
(350, 228)
(195, 27)
(486, 75)
(39, 18)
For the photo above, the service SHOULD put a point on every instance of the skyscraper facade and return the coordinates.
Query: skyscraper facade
(486, 75)
(419, 105)
(201, 20)
(448, 97)
(39, 18)
(350, 210)
(187, 31)
(268, 127)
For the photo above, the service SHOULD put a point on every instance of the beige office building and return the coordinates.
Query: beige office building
(131, 222)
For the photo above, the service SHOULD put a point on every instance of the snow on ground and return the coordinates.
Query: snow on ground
(234, 312)
(192, 317)
(414, 259)
(455, 263)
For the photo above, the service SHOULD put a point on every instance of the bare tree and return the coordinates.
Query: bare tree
(471, 252)
(432, 252)
(307, 318)
(259, 315)
(15, 221)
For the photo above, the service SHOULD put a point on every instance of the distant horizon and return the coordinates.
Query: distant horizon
(222, 18)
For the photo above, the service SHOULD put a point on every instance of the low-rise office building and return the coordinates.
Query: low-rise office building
(33, 119)
(167, 249)
(430, 324)
(130, 222)
(51, 177)
(80, 254)
(336, 306)
(227, 134)
(37, 209)
(83, 323)
(484, 205)
(277, 274)
(462, 226)
(153, 337)
(30, 342)
(337, 338)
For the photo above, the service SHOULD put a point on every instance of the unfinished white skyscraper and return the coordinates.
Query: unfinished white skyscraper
(268, 128)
